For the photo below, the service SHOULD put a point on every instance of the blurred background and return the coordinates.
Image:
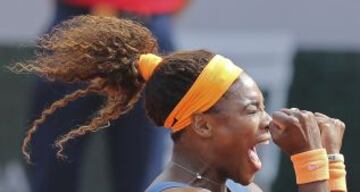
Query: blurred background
(304, 54)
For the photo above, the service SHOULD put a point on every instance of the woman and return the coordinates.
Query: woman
(215, 110)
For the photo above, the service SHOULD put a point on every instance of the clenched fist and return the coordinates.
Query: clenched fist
(295, 131)
(332, 132)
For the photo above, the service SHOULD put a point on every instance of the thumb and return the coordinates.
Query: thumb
(280, 119)
(275, 131)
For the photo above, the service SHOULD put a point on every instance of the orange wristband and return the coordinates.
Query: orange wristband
(311, 166)
(337, 181)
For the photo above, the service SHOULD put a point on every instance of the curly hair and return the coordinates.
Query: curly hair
(102, 53)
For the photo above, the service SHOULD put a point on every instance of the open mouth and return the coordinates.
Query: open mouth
(253, 155)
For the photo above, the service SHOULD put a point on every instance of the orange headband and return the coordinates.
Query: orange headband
(212, 83)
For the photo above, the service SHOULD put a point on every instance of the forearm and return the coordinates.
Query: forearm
(311, 169)
(319, 186)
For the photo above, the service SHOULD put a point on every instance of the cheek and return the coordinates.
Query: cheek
(246, 129)
(251, 124)
(227, 132)
(235, 134)
(233, 140)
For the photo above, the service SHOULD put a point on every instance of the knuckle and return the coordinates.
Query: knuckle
(293, 120)
(342, 124)
(294, 109)
(339, 123)
(303, 115)
(276, 113)
(309, 113)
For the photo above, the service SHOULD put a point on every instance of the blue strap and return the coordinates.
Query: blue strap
(235, 187)
(161, 186)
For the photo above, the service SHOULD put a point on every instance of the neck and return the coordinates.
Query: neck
(193, 167)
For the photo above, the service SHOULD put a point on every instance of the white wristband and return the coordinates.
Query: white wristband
(335, 157)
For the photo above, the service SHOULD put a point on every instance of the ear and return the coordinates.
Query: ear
(201, 126)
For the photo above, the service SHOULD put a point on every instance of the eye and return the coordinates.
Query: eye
(252, 109)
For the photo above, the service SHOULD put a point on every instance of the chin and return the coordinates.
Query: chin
(251, 180)
(245, 179)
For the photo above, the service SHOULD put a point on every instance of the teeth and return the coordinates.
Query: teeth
(264, 142)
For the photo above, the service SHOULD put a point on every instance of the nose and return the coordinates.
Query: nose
(266, 119)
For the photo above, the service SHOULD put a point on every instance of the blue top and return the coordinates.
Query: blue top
(164, 185)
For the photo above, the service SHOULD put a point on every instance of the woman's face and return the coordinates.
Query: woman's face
(239, 123)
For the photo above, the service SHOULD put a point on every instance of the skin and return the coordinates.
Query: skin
(216, 144)
(296, 131)
(293, 126)
(332, 132)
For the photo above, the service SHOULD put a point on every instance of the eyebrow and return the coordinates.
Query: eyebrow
(255, 102)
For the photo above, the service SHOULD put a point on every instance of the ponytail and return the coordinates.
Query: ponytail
(102, 53)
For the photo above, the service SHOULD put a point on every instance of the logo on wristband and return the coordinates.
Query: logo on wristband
(313, 167)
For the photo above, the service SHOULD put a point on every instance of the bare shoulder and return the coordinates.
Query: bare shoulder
(188, 189)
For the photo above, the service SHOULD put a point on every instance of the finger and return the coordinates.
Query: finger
(287, 111)
(291, 113)
(309, 112)
(338, 123)
(309, 115)
(310, 118)
(283, 120)
(318, 114)
(322, 119)
(305, 117)
(279, 118)
(275, 131)
(294, 109)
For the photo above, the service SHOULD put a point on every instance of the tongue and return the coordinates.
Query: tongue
(255, 158)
